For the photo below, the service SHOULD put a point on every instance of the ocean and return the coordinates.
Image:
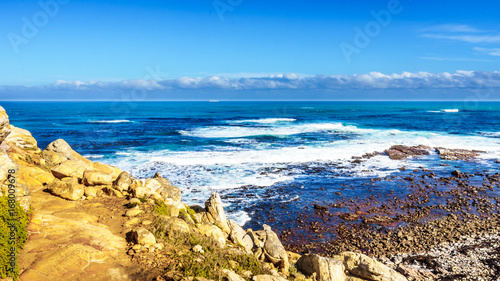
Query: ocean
(268, 160)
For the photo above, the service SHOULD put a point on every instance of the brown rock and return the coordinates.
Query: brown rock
(326, 269)
(68, 188)
(70, 168)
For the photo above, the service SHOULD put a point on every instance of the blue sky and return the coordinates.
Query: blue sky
(71, 49)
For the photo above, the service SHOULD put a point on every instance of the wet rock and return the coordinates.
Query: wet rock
(399, 152)
(456, 154)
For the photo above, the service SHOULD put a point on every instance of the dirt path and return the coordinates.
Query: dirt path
(75, 240)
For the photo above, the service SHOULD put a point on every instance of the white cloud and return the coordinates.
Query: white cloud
(467, 38)
(372, 80)
(489, 51)
(453, 28)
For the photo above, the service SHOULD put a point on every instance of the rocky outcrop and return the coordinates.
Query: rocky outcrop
(239, 236)
(71, 169)
(213, 232)
(62, 148)
(399, 152)
(68, 188)
(4, 124)
(274, 250)
(214, 212)
(326, 269)
(457, 154)
(365, 267)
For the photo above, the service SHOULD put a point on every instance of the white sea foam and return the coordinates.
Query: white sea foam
(265, 120)
(242, 131)
(491, 134)
(93, 156)
(453, 110)
(109, 121)
(123, 153)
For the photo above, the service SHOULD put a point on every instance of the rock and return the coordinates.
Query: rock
(107, 169)
(93, 191)
(4, 124)
(198, 249)
(52, 158)
(456, 154)
(456, 173)
(6, 164)
(274, 250)
(133, 212)
(326, 269)
(143, 237)
(60, 146)
(171, 225)
(213, 232)
(123, 181)
(231, 275)
(416, 274)
(92, 177)
(33, 176)
(68, 188)
(167, 190)
(368, 268)
(70, 168)
(215, 212)
(134, 201)
(145, 188)
(399, 152)
(21, 138)
(131, 222)
(239, 236)
(268, 278)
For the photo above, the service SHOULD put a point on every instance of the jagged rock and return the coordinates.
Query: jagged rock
(274, 250)
(4, 124)
(107, 169)
(93, 191)
(268, 278)
(68, 188)
(91, 177)
(326, 269)
(395, 154)
(456, 154)
(21, 138)
(70, 168)
(62, 147)
(52, 158)
(368, 268)
(6, 164)
(143, 237)
(123, 181)
(399, 152)
(258, 243)
(133, 212)
(213, 232)
(172, 225)
(231, 275)
(168, 191)
(416, 274)
(239, 236)
(215, 212)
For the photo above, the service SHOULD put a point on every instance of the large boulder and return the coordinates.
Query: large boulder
(113, 171)
(92, 177)
(123, 181)
(167, 190)
(274, 250)
(456, 154)
(171, 225)
(52, 158)
(60, 146)
(326, 269)
(399, 152)
(70, 168)
(239, 236)
(4, 124)
(21, 138)
(213, 232)
(142, 236)
(363, 266)
(6, 164)
(215, 212)
(68, 188)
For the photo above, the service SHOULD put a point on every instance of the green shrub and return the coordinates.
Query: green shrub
(20, 222)
(161, 209)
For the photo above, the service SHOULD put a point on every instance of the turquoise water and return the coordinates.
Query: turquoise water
(261, 154)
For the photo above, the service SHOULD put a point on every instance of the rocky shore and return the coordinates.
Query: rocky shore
(92, 221)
